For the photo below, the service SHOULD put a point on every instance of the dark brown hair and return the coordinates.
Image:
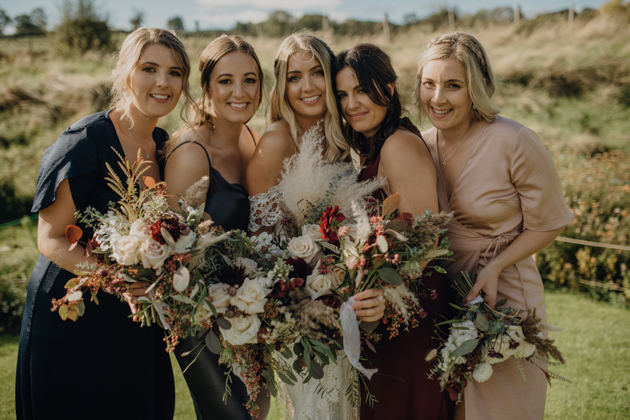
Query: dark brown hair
(374, 72)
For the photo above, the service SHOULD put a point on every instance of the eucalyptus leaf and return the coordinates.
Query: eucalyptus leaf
(224, 323)
(81, 307)
(183, 299)
(297, 366)
(227, 260)
(71, 283)
(482, 323)
(286, 352)
(438, 269)
(397, 225)
(194, 291)
(466, 347)
(129, 279)
(369, 326)
(496, 327)
(285, 378)
(457, 307)
(63, 312)
(501, 303)
(316, 370)
(390, 276)
(213, 343)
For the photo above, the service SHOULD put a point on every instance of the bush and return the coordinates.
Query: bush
(12, 300)
(13, 206)
(83, 29)
(598, 191)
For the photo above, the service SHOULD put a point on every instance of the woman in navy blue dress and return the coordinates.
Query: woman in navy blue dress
(104, 365)
(218, 145)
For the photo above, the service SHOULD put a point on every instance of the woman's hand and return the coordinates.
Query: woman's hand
(487, 280)
(369, 305)
(135, 290)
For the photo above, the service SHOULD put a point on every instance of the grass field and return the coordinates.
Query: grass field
(595, 344)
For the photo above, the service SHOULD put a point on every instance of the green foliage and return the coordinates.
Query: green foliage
(598, 191)
(24, 25)
(176, 23)
(4, 21)
(13, 205)
(82, 29)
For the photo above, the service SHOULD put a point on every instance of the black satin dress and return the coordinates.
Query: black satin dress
(104, 365)
(228, 205)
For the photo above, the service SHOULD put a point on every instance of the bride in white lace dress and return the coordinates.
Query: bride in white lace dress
(303, 96)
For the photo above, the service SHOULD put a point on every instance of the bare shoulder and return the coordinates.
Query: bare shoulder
(404, 145)
(276, 141)
(188, 150)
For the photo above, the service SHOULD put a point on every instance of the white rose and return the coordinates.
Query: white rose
(244, 330)
(219, 297)
(318, 284)
(338, 275)
(250, 297)
(482, 372)
(184, 242)
(203, 313)
(126, 250)
(140, 229)
(312, 231)
(501, 345)
(303, 247)
(524, 349)
(153, 253)
(250, 266)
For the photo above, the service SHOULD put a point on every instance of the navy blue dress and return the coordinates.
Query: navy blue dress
(104, 365)
(228, 205)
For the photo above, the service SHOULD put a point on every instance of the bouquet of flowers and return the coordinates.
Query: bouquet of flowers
(333, 223)
(143, 240)
(484, 336)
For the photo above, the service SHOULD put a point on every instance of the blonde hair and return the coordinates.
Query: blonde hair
(130, 53)
(279, 107)
(480, 79)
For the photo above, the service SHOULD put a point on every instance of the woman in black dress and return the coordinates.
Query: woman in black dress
(103, 366)
(219, 145)
(391, 147)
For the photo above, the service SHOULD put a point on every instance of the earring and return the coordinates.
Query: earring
(474, 107)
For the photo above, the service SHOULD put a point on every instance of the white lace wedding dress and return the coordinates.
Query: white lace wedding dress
(323, 399)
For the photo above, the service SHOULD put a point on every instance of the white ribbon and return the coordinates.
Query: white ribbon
(352, 337)
(475, 301)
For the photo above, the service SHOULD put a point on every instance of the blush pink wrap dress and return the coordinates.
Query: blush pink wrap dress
(508, 183)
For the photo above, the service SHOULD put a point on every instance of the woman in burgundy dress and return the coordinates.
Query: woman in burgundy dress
(391, 147)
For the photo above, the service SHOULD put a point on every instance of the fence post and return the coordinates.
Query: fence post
(451, 19)
(517, 14)
(571, 15)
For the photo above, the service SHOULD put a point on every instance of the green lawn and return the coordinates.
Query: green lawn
(595, 343)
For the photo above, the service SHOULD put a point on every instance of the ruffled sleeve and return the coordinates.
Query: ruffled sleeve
(535, 177)
(73, 155)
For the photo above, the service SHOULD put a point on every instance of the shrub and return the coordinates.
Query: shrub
(598, 191)
(83, 29)
(12, 300)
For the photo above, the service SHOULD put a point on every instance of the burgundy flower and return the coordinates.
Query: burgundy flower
(171, 224)
(330, 223)
(281, 289)
(331, 301)
(300, 268)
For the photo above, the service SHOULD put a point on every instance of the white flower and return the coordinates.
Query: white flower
(250, 297)
(192, 211)
(350, 250)
(268, 281)
(184, 242)
(501, 345)
(303, 247)
(482, 372)
(153, 253)
(126, 250)
(338, 275)
(524, 349)
(203, 313)
(353, 231)
(264, 239)
(318, 284)
(244, 330)
(140, 229)
(250, 266)
(219, 297)
(312, 231)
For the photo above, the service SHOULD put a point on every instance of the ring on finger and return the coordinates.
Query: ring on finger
(380, 298)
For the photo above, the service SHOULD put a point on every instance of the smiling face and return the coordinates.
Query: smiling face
(445, 96)
(363, 115)
(234, 87)
(156, 82)
(306, 88)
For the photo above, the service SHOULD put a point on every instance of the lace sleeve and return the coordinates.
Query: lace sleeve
(264, 209)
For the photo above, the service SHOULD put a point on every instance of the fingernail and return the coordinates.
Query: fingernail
(469, 297)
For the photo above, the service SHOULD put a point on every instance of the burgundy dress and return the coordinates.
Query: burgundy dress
(401, 385)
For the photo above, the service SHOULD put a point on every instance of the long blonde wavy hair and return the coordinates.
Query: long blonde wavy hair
(129, 55)
(279, 107)
(480, 79)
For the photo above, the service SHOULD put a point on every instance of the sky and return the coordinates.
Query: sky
(223, 14)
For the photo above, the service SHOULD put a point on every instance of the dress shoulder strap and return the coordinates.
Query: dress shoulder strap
(251, 134)
(198, 144)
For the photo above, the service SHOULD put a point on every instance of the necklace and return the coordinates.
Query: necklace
(140, 144)
(459, 144)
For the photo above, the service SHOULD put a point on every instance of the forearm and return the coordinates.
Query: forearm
(56, 250)
(526, 244)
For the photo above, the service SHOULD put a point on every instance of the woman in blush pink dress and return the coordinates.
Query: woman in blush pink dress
(503, 189)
